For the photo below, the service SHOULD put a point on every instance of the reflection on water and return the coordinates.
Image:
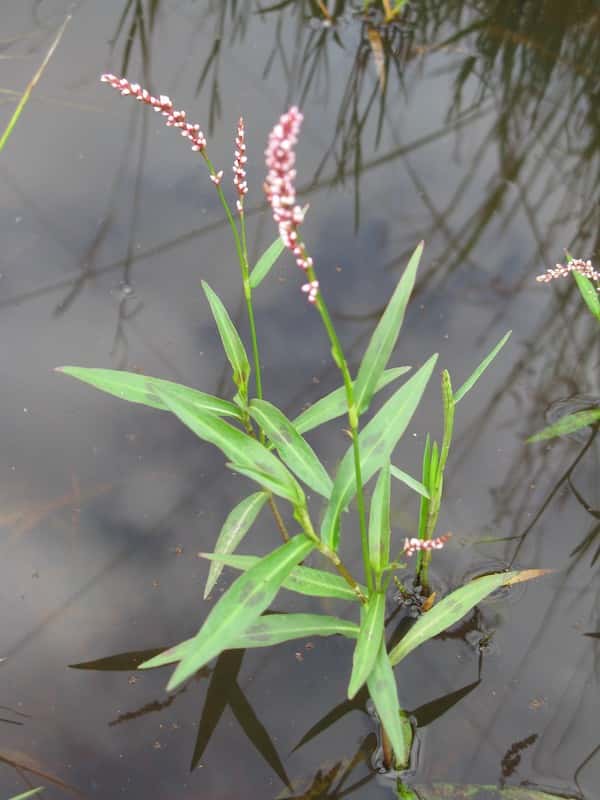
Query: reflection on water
(473, 125)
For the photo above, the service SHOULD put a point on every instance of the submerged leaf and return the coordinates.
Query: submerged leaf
(568, 424)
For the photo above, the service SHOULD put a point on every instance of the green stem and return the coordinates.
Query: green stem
(242, 253)
(353, 417)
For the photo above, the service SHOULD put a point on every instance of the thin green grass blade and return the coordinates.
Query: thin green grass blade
(379, 522)
(266, 262)
(292, 448)
(377, 442)
(247, 453)
(303, 580)
(385, 335)
(589, 293)
(452, 608)
(21, 105)
(137, 389)
(232, 342)
(472, 380)
(239, 521)
(334, 405)
(241, 605)
(411, 482)
(30, 793)
(568, 424)
(368, 643)
(384, 694)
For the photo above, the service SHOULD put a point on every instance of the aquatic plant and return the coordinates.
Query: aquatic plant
(262, 444)
(585, 276)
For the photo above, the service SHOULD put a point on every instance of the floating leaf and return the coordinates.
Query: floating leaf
(385, 335)
(232, 343)
(303, 580)
(244, 601)
(266, 262)
(379, 522)
(411, 482)
(461, 791)
(384, 694)
(238, 523)
(138, 389)
(472, 380)
(369, 640)
(377, 442)
(568, 424)
(335, 405)
(452, 608)
(293, 449)
(246, 452)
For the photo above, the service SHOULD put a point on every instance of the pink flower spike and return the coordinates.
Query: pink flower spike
(162, 104)
(312, 290)
(216, 179)
(239, 169)
(412, 546)
(585, 268)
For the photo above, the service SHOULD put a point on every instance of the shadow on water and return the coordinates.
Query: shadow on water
(486, 115)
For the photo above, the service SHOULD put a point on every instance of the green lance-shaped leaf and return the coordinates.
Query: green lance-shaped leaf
(384, 694)
(474, 377)
(369, 641)
(334, 405)
(411, 482)
(30, 793)
(241, 605)
(588, 292)
(232, 343)
(242, 449)
(385, 335)
(302, 580)
(238, 523)
(379, 522)
(377, 442)
(452, 608)
(568, 424)
(269, 630)
(266, 262)
(293, 449)
(138, 389)
(267, 481)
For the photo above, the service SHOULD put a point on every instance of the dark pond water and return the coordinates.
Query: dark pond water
(480, 134)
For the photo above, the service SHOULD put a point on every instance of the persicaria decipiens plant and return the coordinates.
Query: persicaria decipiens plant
(263, 445)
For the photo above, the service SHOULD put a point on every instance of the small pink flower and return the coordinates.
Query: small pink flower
(281, 192)
(239, 165)
(575, 265)
(217, 177)
(312, 289)
(412, 546)
(162, 104)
